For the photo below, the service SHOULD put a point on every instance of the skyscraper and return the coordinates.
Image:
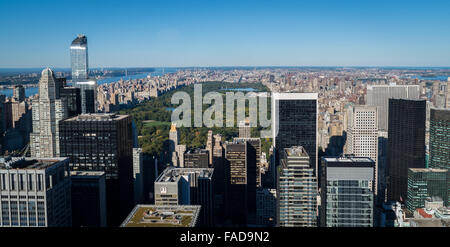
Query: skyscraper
(88, 199)
(379, 95)
(79, 59)
(48, 110)
(237, 199)
(297, 189)
(362, 136)
(19, 93)
(406, 143)
(440, 138)
(424, 183)
(138, 172)
(80, 74)
(35, 192)
(196, 158)
(103, 142)
(294, 117)
(347, 192)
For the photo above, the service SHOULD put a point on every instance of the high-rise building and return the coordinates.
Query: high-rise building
(294, 117)
(297, 189)
(73, 97)
(266, 207)
(173, 143)
(19, 93)
(440, 138)
(88, 199)
(210, 146)
(103, 142)
(406, 143)
(255, 145)
(80, 74)
(187, 186)
(138, 171)
(196, 158)
(48, 110)
(424, 183)
(35, 192)
(244, 129)
(237, 198)
(79, 59)
(221, 174)
(347, 192)
(379, 95)
(362, 135)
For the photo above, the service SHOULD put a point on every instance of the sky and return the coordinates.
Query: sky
(169, 33)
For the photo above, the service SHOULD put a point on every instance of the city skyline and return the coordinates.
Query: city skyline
(200, 34)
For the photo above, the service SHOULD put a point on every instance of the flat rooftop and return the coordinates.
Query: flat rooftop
(427, 170)
(87, 173)
(173, 174)
(97, 117)
(349, 159)
(162, 216)
(28, 163)
(296, 151)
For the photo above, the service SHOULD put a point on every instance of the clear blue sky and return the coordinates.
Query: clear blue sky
(226, 33)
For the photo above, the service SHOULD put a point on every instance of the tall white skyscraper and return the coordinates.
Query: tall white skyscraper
(362, 136)
(379, 95)
(48, 110)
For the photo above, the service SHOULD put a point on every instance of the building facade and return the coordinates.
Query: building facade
(294, 117)
(103, 142)
(35, 192)
(424, 183)
(297, 189)
(379, 95)
(347, 193)
(406, 143)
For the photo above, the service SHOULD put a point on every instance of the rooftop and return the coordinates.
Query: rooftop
(87, 173)
(162, 216)
(296, 151)
(172, 174)
(349, 159)
(27, 163)
(97, 117)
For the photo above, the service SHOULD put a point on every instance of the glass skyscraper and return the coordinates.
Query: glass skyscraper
(80, 74)
(423, 183)
(79, 59)
(347, 192)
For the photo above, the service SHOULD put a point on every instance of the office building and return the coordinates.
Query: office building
(237, 192)
(362, 135)
(163, 216)
(47, 111)
(440, 138)
(424, 183)
(88, 199)
(19, 93)
(35, 192)
(406, 143)
(138, 172)
(347, 193)
(244, 129)
(73, 97)
(196, 158)
(379, 95)
(297, 189)
(266, 207)
(253, 156)
(294, 117)
(187, 186)
(103, 142)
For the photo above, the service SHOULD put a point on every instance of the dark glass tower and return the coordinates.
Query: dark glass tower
(103, 142)
(440, 138)
(406, 143)
(294, 117)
